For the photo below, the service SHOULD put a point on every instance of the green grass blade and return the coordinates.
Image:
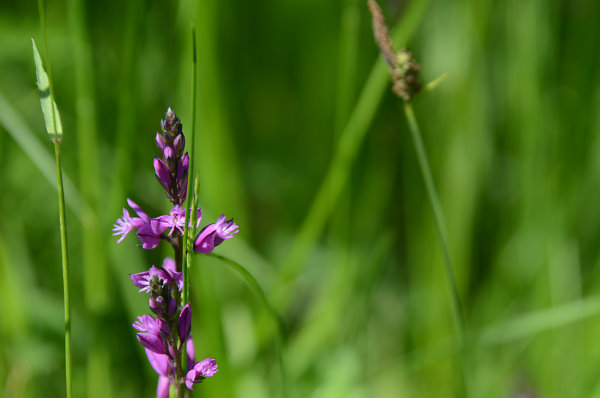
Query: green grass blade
(255, 286)
(46, 99)
(345, 154)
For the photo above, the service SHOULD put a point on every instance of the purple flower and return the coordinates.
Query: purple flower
(163, 306)
(162, 365)
(148, 237)
(205, 368)
(185, 323)
(214, 234)
(152, 334)
(175, 220)
(163, 174)
(172, 170)
(126, 223)
(142, 279)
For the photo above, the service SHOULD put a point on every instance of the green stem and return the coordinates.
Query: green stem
(65, 268)
(190, 214)
(186, 233)
(61, 213)
(441, 230)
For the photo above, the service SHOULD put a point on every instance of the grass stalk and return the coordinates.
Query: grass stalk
(346, 151)
(187, 230)
(61, 212)
(459, 319)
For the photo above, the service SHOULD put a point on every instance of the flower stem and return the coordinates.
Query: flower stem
(186, 233)
(441, 230)
(61, 214)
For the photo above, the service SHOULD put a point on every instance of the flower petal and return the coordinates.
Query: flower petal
(152, 342)
(185, 323)
(159, 362)
(163, 387)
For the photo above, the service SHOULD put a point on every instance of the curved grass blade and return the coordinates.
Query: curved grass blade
(254, 285)
(346, 151)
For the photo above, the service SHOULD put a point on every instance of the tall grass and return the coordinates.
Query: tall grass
(298, 140)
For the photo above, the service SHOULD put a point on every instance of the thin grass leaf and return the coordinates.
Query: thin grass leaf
(46, 99)
(254, 285)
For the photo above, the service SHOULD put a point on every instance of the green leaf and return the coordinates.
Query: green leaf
(46, 99)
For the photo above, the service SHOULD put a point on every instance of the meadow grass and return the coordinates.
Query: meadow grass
(300, 139)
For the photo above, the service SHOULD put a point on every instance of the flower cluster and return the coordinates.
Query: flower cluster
(164, 337)
(167, 334)
(172, 173)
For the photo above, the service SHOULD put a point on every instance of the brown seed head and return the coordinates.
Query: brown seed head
(403, 68)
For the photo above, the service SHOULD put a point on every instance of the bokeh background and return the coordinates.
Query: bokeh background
(300, 139)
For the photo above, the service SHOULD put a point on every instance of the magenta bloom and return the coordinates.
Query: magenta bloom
(201, 370)
(126, 223)
(174, 221)
(167, 274)
(172, 170)
(165, 333)
(214, 234)
(152, 334)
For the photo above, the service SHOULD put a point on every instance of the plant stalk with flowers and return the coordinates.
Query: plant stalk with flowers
(167, 335)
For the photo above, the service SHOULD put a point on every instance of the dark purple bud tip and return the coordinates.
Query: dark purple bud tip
(185, 323)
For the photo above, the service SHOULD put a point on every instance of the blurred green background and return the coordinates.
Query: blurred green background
(300, 139)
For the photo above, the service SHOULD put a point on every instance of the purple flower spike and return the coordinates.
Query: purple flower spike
(162, 173)
(185, 323)
(205, 368)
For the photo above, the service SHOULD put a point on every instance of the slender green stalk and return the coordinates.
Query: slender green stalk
(190, 214)
(61, 213)
(350, 140)
(186, 232)
(441, 230)
(65, 269)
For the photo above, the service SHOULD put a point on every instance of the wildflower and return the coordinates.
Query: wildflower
(172, 170)
(201, 370)
(175, 220)
(214, 234)
(152, 334)
(126, 223)
(164, 336)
